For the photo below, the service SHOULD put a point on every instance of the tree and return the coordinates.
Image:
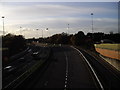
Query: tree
(78, 39)
(14, 43)
(17, 44)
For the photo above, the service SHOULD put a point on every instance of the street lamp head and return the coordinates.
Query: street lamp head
(3, 17)
(46, 29)
(91, 13)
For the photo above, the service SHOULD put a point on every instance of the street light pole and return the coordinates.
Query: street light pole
(47, 31)
(3, 25)
(21, 30)
(92, 22)
(42, 33)
(68, 28)
(37, 30)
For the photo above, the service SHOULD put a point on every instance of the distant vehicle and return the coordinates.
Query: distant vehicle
(36, 55)
(22, 59)
(106, 41)
(9, 70)
(59, 44)
(7, 67)
(29, 50)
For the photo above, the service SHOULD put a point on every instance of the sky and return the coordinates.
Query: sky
(59, 0)
(56, 16)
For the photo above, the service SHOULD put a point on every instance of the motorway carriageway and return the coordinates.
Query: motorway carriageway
(69, 68)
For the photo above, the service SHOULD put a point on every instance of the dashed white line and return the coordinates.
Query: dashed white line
(66, 77)
(45, 84)
(101, 86)
(65, 85)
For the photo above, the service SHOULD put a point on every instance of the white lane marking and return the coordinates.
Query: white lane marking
(101, 86)
(65, 85)
(65, 82)
(46, 83)
(66, 77)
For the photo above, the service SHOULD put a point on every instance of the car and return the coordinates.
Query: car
(22, 59)
(7, 67)
(59, 44)
(29, 50)
(9, 70)
(36, 55)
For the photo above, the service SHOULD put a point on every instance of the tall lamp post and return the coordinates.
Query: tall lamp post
(42, 33)
(21, 30)
(37, 30)
(47, 30)
(3, 26)
(92, 22)
(68, 28)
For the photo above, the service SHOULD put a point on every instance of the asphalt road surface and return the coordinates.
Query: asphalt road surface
(67, 69)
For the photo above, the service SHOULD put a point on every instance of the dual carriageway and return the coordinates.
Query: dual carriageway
(60, 66)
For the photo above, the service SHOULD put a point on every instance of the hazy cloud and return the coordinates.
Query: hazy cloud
(56, 16)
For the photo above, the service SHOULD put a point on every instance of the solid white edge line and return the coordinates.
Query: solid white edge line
(90, 68)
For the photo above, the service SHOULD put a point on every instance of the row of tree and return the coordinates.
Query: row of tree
(79, 39)
(97, 37)
(17, 43)
(12, 44)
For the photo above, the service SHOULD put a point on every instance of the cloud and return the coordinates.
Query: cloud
(50, 10)
(56, 16)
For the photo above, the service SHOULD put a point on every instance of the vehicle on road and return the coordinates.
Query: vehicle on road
(9, 70)
(36, 55)
(22, 60)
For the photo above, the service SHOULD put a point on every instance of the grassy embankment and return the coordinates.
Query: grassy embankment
(108, 46)
(109, 50)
